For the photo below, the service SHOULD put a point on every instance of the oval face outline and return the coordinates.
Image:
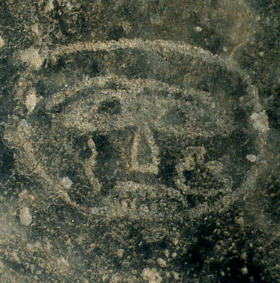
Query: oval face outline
(190, 97)
(111, 150)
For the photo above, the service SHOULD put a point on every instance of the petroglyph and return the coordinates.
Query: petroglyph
(134, 132)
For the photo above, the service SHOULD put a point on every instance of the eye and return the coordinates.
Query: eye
(175, 116)
(110, 107)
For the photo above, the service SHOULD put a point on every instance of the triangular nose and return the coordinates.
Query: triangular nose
(145, 153)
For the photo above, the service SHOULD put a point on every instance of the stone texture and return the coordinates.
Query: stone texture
(139, 141)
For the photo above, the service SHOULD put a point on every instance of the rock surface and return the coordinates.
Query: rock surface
(139, 141)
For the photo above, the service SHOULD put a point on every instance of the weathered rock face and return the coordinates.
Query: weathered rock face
(139, 158)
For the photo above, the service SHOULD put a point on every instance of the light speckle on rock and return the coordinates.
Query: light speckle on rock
(166, 252)
(25, 217)
(244, 270)
(151, 275)
(49, 6)
(2, 42)
(240, 221)
(161, 262)
(260, 121)
(66, 182)
(198, 29)
(174, 255)
(36, 29)
(176, 275)
(251, 157)
(120, 252)
(175, 241)
(31, 100)
(32, 57)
